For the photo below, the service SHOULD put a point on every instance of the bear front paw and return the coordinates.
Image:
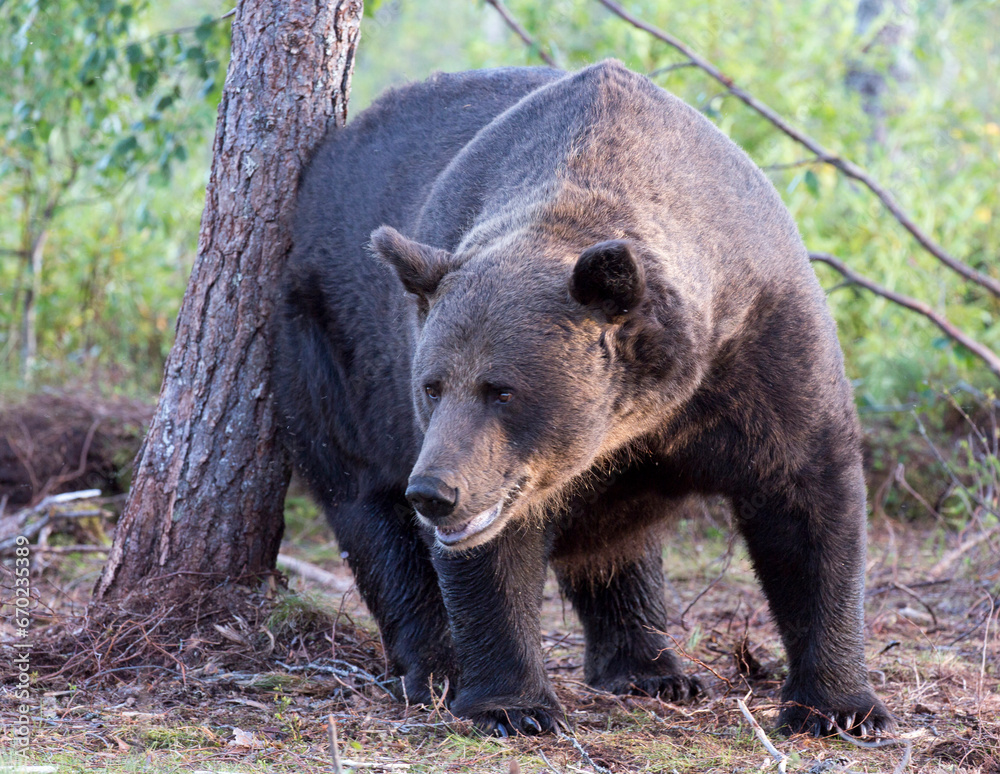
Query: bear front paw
(669, 687)
(513, 722)
(862, 715)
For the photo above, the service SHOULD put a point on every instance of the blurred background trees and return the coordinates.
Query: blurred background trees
(106, 110)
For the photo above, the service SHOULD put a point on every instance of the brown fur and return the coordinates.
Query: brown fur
(596, 307)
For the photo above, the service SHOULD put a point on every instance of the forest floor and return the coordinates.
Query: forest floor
(933, 650)
(260, 686)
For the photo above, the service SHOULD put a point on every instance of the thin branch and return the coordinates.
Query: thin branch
(313, 573)
(583, 753)
(334, 751)
(670, 68)
(793, 164)
(779, 757)
(849, 168)
(522, 33)
(981, 351)
(179, 30)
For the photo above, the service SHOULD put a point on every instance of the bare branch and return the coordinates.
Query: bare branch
(521, 32)
(981, 351)
(313, 573)
(670, 68)
(779, 757)
(849, 168)
(793, 164)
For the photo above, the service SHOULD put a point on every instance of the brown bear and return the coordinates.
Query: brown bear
(527, 314)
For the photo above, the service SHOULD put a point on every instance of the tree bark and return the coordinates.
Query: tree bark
(207, 497)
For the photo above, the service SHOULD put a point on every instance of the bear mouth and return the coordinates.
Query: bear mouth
(460, 533)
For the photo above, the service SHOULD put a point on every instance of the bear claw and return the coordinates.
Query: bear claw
(866, 718)
(516, 722)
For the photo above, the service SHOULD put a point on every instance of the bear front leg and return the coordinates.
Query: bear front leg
(493, 594)
(392, 565)
(807, 543)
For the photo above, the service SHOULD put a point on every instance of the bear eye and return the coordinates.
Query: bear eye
(504, 396)
(432, 391)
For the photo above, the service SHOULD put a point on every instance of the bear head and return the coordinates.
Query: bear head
(533, 361)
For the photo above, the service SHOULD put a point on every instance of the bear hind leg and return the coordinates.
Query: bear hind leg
(624, 620)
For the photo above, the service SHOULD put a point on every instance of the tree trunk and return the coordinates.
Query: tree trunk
(207, 496)
(29, 315)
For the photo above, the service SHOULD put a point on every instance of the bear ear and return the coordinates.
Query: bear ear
(609, 276)
(419, 267)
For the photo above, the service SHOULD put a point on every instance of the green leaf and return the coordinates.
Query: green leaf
(27, 137)
(133, 54)
(125, 146)
(205, 29)
(812, 183)
(145, 80)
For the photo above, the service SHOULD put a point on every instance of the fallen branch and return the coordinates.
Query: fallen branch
(16, 525)
(313, 573)
(584, 754)
(779, 757)
(521, 32)
(73, 549)
(981, 351)
(945, 563)
(849, 168)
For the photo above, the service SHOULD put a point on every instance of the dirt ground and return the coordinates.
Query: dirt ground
(933, 650)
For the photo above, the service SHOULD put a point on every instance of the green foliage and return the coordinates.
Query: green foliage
(96, 116)
(96, 93)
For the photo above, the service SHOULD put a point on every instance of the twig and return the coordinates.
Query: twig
(793, 164)
(986, 640)
(670, 68)
(949, 558)
(586, 756)
(521, 32)
(985, 354)
(693, 659)
(553, 769)
(311, 572)
(900, 477)
(73, 549)
(849, 168)
(951, 473)
(780, 758)
(907, 753)
(907, 590)
(344, 670)
(716, 579)
(331, 726)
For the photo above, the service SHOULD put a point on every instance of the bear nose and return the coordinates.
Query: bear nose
(431, 496)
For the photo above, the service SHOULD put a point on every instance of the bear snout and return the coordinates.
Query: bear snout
(431, 497)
